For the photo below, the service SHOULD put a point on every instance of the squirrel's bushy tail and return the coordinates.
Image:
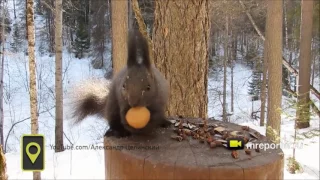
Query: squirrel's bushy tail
(89, 98)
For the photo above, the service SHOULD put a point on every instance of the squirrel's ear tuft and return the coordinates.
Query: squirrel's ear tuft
(144, 49)
(132, 50)
(136, 42)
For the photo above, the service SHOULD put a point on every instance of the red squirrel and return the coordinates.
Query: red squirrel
(139, 83)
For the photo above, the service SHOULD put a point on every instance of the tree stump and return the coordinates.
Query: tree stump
(159, 156)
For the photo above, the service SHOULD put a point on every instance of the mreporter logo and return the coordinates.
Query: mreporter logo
(238, 144)
(266, 146)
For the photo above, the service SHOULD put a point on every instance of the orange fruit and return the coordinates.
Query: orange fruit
(138, 117)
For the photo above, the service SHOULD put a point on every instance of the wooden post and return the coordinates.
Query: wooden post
(158, 156)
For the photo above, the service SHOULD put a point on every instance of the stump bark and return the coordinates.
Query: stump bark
(158, 156)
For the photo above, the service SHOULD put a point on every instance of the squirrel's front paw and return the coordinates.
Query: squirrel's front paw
(116, 133)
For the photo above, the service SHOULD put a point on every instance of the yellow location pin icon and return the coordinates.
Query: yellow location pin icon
(33, 157)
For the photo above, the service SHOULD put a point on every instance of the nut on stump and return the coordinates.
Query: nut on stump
(138, 117)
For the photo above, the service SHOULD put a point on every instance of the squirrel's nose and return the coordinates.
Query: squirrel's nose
(133, 102)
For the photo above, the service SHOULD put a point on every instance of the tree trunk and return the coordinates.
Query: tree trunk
(225, 61)
(274, 59)
(32, 70)
(1, 73)
(303, 110)
(119, 21)
(263, 92)
(14, 9)
(285, 24)
(314, 57)
(58, 77)
(233, 60)
(182, 56)
(242, 44)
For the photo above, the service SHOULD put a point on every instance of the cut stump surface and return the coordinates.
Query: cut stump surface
(158, 156)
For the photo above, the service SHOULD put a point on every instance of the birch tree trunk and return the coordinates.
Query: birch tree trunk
(180, 36)
(58, 77)
(225, 50)
(303, 111)
(274, 59)
(32, 71)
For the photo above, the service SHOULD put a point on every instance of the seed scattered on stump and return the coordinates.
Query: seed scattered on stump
(215, 135)
(218, 143)
(219, 129)
(187, 132)
(178, 138)
(196, 136)
(246, 140)
(185, 125)
(176, 124)
(225, 136)
(234, 133)
(193, 133)
(173, 121)
(254, 135)
(202, 139)
(213, 144)
(248, 151)
(191, 126)
(180, 125)
(246, 128)
(209, 140)
(257, 149)
(208, 135)
(205, 126)
(257, 134)
(235, 154)
(184, 136)
(281, 154)
(201, 124)
(212, 132)
(177, 131)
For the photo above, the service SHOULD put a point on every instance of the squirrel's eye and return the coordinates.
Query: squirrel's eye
(148, 87)
(123, 86)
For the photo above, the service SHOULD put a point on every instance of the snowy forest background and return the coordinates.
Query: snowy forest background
(87, 53)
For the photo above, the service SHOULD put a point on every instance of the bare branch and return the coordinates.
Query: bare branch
(18, 122)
